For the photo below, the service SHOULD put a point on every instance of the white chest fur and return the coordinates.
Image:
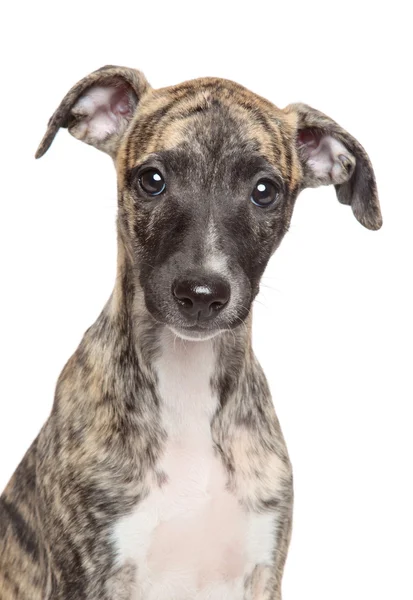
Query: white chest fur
(190, 538)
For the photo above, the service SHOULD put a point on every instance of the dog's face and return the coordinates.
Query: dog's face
(206, 195)
(208, 174)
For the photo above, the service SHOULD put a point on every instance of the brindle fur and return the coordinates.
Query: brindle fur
(87, 466)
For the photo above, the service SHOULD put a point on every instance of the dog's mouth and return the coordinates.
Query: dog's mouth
(204, 330)
(200, 330)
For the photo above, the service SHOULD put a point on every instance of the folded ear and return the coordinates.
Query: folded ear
(330, 155)
(98, 109)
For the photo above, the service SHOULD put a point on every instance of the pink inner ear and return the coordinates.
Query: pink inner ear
(120, 102)
(310, 138)
(102, 112)
(327, 159)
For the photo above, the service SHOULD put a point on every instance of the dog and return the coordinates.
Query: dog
(162, 472)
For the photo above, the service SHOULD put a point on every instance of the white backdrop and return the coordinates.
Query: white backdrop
(333, 323)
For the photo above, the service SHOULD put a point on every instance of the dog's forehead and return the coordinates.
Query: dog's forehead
(211, 118)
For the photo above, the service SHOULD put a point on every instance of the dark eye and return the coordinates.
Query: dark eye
(152, 182)
(264, 193)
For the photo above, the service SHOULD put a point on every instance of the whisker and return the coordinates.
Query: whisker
(262, 303)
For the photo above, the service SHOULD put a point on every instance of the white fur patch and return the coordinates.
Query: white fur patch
(190, 539)
(215, 260)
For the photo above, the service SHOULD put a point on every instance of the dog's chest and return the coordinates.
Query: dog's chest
(190, 537)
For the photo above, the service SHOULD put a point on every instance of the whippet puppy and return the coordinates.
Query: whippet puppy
(162, 472)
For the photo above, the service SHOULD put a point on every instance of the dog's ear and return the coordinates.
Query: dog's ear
(98, 109)
(330, 155)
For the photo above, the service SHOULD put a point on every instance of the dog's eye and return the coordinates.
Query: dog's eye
(265, 193)
(152, 182)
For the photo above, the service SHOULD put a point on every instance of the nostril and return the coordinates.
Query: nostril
(220, 296)
(182, 293)
(217, 305)
(185, 302)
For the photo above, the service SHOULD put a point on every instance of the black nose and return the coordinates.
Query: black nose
(201, 297)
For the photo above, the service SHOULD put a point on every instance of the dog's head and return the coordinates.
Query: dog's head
(208, 174)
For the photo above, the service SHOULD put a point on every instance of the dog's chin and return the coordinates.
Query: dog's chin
(194, 336)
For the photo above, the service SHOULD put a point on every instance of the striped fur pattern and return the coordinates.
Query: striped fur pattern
(103, 453)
